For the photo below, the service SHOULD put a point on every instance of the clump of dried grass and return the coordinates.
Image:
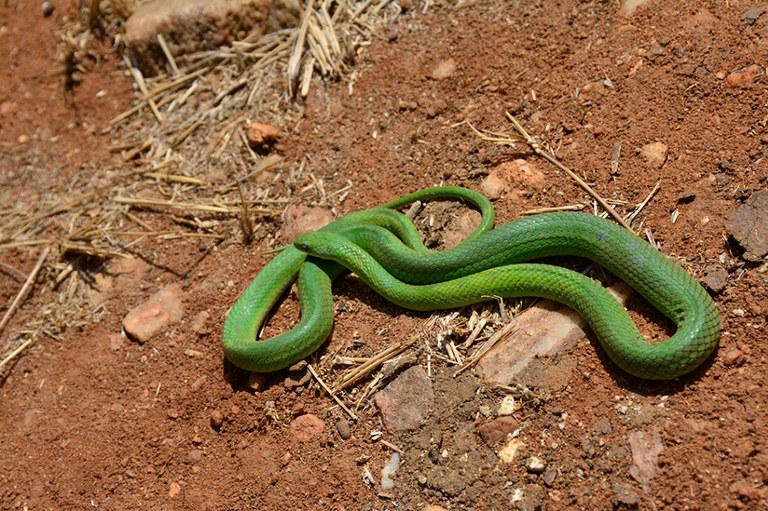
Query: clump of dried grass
(188, 168)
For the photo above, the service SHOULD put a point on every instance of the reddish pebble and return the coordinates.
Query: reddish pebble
(260, 135)
(734, 357)
(743, 77)
(306, 427)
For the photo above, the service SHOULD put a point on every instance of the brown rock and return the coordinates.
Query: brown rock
(198, 322)
(342, 426)
(745, 490)
(749, 226)
(307, 427)
(174, 489)
(625, 494)
(751, 15)
(686, 197)
(493, 185)
(407, 401)
(300, 219)
(646, 447)
(734, 357)
(189, 26)
(655, 154)
(715, 279)
(444, 70)
(116, 342)
(497, 429)
(262, 135)
(7, 108)
(743, 77)
(161, 310)
(217, 419)
(628, 7)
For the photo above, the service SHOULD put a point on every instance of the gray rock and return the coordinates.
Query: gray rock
(715, 279)
(407, 401)
(447, 481)
(751, 15)
(748, 225)
(625, 495)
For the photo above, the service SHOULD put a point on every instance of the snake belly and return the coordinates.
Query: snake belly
(489, 264)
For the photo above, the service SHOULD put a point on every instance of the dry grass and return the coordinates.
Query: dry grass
(188, 168)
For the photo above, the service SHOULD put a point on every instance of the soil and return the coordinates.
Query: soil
(90, 419)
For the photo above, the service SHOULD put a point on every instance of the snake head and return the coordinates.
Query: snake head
(311, 242)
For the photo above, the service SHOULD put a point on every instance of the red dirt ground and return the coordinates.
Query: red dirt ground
(90, 419)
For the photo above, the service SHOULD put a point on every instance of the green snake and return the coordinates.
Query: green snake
(384, 249)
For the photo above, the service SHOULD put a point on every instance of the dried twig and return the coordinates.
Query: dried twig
(331, 393)
(508, 329)
(377, 360)
(15, 352)
(631, 217)
(536, 148)
(25, 288)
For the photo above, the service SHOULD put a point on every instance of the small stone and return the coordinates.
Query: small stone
(748, 225)
(751, 15)
(734, 357)
(161, 310)
(307, 427)
(217, 419)
(628, 7)
(406, 5)
(535, 465)
(23, 139)
(300, 219)
(743, 77)
(715, 279)
(195, 455)
(686, 197)
(407, 401)
(197, 440)
(262, 135)
(646, 447)
(47, 8)
(508, 453)
(7, 108)
(508, 406)
(174, 489)
(444, 70)
(116, 342)
(549, 477)
(745, 490)
(655, 154)
(449, 482)
(592, 93)
(173, 414)
(493, 185)
(625, 494)
(497, 429)
(198, 322)
(342, 426)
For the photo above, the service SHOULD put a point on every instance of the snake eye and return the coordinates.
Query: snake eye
(304, 247)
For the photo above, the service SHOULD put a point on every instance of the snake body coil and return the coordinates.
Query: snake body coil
(383, 248)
